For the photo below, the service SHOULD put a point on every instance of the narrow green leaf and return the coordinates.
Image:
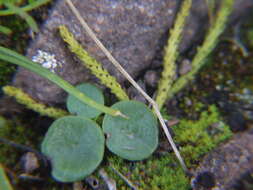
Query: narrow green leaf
(5, 30)
(28, 7)
(15, 58)
(4, 182)
(30, 21)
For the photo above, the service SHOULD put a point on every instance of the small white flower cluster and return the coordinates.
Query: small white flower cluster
(47, 60)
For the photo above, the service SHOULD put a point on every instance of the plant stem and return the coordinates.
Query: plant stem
(208, 45)
(26, 8)
(92, 64)
(128, 182)
(23, 98)
(171, 54)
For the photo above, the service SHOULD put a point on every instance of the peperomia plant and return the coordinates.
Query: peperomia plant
(75, 144)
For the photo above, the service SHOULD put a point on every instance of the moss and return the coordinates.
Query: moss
(154, 173)
(198, 106)
(15, 132)
(7, 130)
(5, 73)
(17, 41)
(18, 38)
(250, 37)
(164, 172)
(246, 31)
(199, 137)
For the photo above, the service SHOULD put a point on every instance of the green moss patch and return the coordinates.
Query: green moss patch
(15, 132)
(6, 71)
(199, 137)
(17, 40)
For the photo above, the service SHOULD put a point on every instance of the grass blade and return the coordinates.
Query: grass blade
(30, 21)
(26, 8)
(4, 182)
(5, 30)
(15, 58)
(207, 47)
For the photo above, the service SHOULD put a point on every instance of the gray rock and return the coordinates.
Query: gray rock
(133, 31)
(185, 67)
(151, 78)
(226, 164)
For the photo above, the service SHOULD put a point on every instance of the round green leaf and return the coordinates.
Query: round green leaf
(75, 106)
(134, 138)
(75, 147)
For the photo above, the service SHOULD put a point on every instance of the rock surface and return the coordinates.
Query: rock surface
(227, 164)
(134, 31)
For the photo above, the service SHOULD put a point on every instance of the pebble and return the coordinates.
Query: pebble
(236, 121)
(151, 78)
(135, 94)
(205, 180)
(29, 162)
(185, 67)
